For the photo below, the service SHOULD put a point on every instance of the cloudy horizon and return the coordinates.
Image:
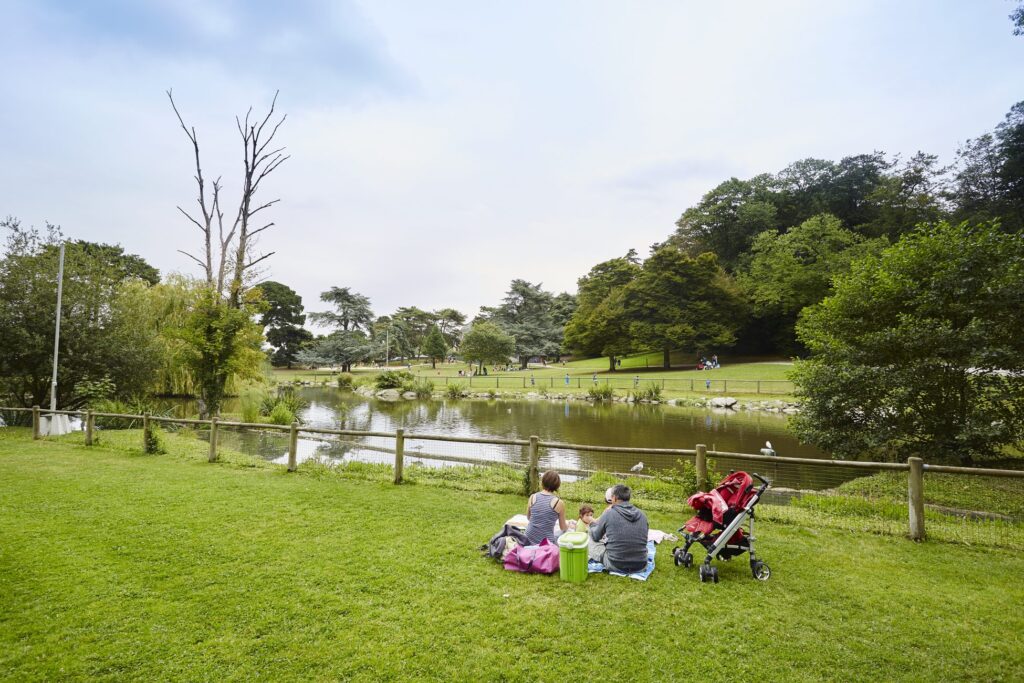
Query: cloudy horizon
(438, 152)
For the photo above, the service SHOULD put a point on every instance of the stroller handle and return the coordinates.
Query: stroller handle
(764, 481)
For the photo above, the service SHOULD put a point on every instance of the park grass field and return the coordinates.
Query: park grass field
(116, 565)
(740, 380)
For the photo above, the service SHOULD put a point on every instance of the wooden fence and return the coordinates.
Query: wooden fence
(915, 467)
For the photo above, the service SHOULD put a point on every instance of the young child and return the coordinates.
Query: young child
(586, 518)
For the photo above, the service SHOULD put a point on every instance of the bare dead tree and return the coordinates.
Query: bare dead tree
(232, 255)
(229, 256)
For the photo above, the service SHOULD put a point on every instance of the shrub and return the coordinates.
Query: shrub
(252, 400)
(281, 415)
(346, 381)
(287, 397)
(601, 393)
(153, 442)
(454, 390)
(423, 388)
(652, 392)
(393, 379)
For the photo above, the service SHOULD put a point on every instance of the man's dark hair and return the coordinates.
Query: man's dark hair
(551, 481)
(622, 492)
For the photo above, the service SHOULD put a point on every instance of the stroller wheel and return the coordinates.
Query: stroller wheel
(687, 560)
(703, 573)
(713, 571)
(760, 570)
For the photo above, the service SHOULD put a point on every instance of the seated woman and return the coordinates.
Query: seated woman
(544, 509)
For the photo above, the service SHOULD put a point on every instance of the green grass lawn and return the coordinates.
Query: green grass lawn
(739, 380)
(120, 566)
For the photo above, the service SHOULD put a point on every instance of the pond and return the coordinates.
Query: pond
(579, 422)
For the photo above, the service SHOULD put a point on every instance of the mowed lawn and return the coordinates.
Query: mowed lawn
(120, 566)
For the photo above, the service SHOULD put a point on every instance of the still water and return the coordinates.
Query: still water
(579, 422)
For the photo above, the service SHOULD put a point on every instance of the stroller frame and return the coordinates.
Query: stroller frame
(722, 546)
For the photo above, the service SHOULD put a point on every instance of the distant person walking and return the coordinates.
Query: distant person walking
(567, 379)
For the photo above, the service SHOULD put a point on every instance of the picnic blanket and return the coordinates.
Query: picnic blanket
(642, 575)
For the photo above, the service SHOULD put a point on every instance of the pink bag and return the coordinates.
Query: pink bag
(533, 559)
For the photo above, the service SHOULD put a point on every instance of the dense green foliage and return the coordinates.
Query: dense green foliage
(599, 325)
(434, 346)
(106, 339)
(919, 351)
(282, 322)
(678, 302)
(236, 571)
(790, 271)
(528, 315)
(485, 342)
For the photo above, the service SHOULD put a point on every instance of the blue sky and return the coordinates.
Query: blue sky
(441, 149)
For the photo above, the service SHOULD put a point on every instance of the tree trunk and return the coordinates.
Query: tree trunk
(524, 361)
(668, 359)
(433, 363)
(611, 363)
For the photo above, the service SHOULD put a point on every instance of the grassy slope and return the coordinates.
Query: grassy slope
(115, 565)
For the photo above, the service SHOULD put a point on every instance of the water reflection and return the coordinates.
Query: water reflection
(611, 424)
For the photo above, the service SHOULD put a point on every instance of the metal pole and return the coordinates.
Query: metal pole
(56, 334)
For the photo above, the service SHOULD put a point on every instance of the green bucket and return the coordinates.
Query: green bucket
(572, 556)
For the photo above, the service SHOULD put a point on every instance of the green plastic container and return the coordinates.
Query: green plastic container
(572, 556)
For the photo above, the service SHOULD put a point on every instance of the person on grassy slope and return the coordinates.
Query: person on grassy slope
(545, 509)
(620, 534)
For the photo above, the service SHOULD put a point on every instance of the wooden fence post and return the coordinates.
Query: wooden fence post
(35, 423)
(725, 386)
(213, 440)
(293, 447)
(759, 386)
(399, 454)
(701, 463)
(89, 426)
(534, 462)
(915, 494)
(147, 433)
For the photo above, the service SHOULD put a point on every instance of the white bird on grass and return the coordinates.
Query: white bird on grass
(637, 467)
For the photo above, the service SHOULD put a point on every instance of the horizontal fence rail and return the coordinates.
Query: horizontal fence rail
(530, 458)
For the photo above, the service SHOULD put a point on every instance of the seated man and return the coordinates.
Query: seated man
(623, 529)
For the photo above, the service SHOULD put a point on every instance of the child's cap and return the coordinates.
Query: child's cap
(608, 494)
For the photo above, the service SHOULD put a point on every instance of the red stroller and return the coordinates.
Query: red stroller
(718, 525)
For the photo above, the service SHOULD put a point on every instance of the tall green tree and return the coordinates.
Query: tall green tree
(351, 310)
(527, 313)
(341, 348)
(727, 218)
(485, 342)
(599, 326)
(434, 346)
(919, 350)
(282, 321)
(101, 335)
(416, 324)
(793, 270)
(680, 302)
(450, 322)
